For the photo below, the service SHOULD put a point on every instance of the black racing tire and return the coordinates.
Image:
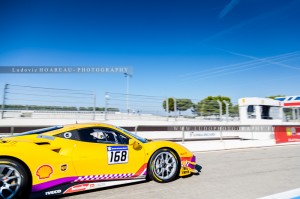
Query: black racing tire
(14, 180)
(163, 166)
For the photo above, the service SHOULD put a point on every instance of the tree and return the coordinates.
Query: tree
(170, 103)
(184, 104)
(234, 110)
(210, 106)
(181, 104)
(274, 96)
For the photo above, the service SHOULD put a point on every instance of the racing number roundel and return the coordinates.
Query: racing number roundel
(67, 135)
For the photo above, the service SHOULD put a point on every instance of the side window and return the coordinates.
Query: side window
(251, 112)
(102, 135)
(123, 139)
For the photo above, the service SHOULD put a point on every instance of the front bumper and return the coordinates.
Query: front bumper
(189, 165)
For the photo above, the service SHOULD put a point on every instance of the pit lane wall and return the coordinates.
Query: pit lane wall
(281, 134)
(206, 132)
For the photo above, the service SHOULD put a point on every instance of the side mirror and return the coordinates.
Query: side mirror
(134, 144)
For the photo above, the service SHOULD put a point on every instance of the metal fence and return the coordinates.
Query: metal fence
(40, 102)
(165, 108)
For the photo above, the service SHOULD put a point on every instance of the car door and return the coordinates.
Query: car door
(105, 152)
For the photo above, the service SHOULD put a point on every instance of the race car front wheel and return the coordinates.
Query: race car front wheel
(13, 180)
(163, 166)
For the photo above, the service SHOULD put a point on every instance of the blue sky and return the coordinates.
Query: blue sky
(189, 49)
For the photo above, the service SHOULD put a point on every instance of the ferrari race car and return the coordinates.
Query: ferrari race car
(72, 158)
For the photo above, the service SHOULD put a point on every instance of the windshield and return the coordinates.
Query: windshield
(39, 131)
(143, 140)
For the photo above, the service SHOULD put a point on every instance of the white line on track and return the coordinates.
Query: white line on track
(292, 194)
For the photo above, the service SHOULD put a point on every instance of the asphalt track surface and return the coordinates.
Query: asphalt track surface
(241, 174)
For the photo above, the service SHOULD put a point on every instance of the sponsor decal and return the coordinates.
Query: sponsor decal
(89, 186)
(77, 188)
(117, 154)
(44, 171)
(203, 134)
(185, 163)
(53, 192)
(185, 170)
(63, 167)
(204, 128)
(287, 134)
(291, 131)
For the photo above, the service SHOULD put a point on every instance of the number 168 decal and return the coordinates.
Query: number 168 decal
(117, 154)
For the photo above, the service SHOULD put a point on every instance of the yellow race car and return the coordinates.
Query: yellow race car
(72, 158)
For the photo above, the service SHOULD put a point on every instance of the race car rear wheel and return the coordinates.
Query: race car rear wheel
(13, 180)
(163, 166)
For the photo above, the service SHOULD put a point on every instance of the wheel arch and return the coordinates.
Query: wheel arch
(20, 162)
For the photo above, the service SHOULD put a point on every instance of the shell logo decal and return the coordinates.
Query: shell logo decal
(44, 171)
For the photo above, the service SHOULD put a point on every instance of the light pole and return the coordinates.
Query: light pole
(3, 100)
(127, 76)
(106, 105)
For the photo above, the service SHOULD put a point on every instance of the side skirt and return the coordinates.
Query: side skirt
(80, 186)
